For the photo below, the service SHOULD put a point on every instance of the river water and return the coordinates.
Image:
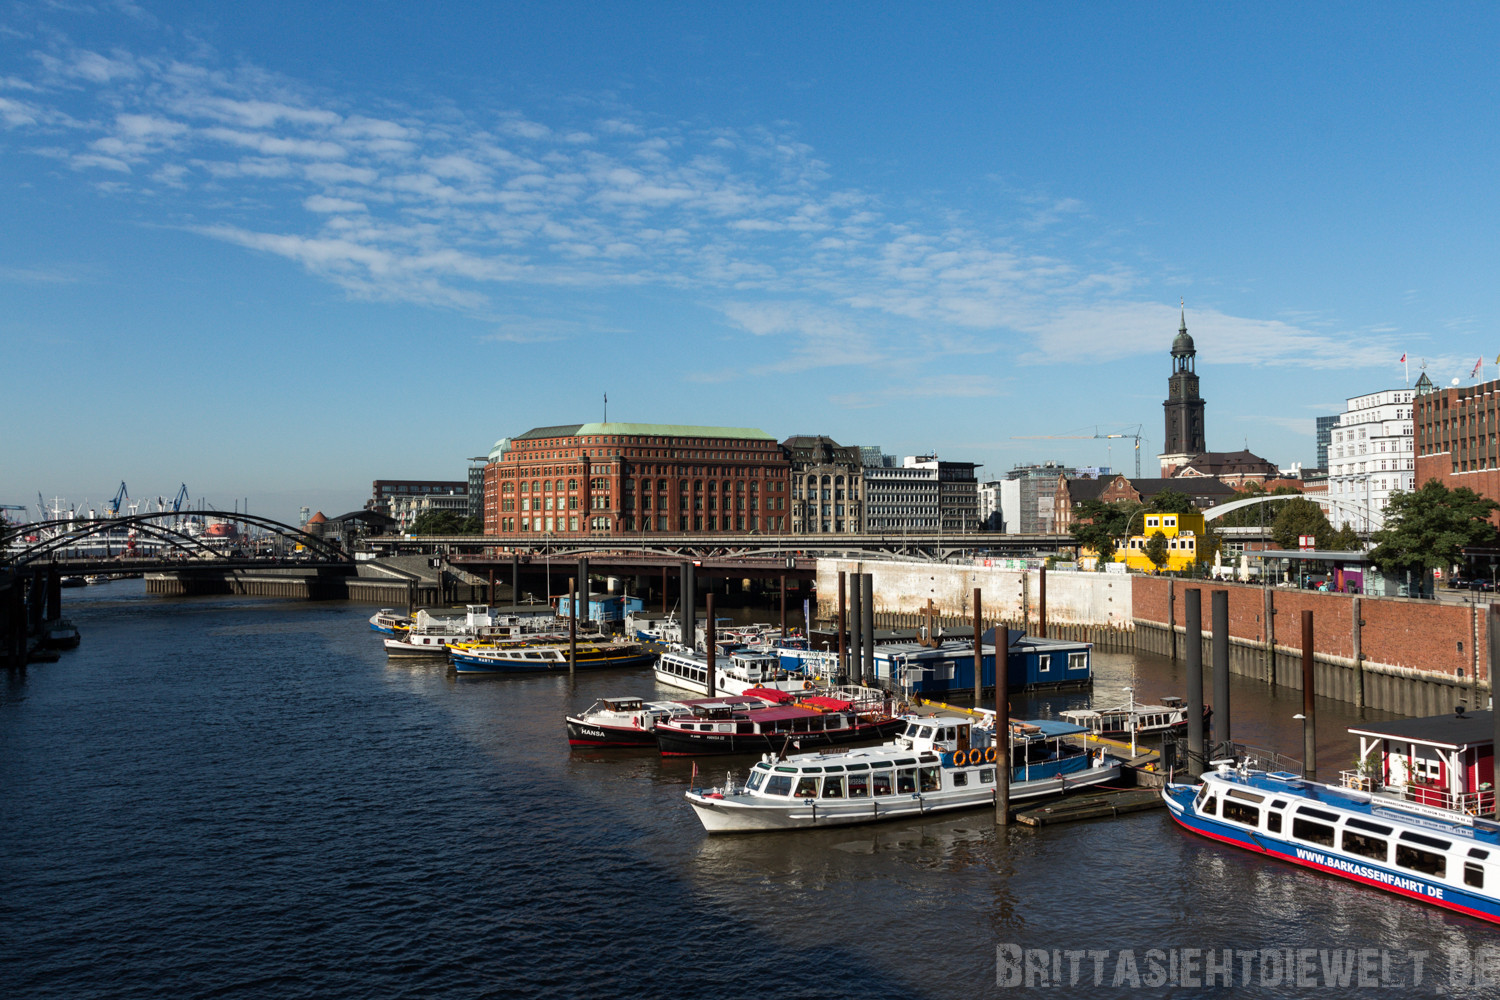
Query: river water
(241, 798)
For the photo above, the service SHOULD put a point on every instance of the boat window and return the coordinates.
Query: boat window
(906, 781)
(1273, 821)
(756, 778)
(807, 787)
(787, 770)
(833, 722)
(859, 767)
(831, 768)
(1278, 803)
(1365, 845)
(833, 787)
(1318, 814)
(960, 778)
(859, 786)
(906, 762)
(744, 727)
(1363, 824)
(1209, 806)
(1313, 833)
(912, 729)
(1473, 875)
(931, 779)
(1475, 852)
(1202, 795)
(1426, 841)
(880, 781)
(779, 784)
(1240, 812)
(1417, 860)
(926, 732)
(812, 770)
(762, 766)
(987, 776)
(1240, 793)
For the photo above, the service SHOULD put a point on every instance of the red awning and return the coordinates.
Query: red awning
(827, 704)
(767, 694)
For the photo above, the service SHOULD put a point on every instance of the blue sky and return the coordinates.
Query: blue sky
(277, 251)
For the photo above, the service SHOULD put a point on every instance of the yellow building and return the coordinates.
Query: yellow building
(1182, 531)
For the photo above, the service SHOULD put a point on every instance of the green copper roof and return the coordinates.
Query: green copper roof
(648, 430)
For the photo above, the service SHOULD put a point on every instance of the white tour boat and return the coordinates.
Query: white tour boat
(733, 674)
(1146, 720)
(939, 764)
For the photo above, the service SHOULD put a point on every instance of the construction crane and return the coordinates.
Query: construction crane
(121, 495)
(1136, 434)
(182, 495)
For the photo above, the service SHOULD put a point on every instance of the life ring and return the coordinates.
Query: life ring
(960, 758)
(807, 685)
(989, 754)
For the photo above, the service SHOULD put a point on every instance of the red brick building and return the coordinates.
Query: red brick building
(636, 479)
(1457, 437)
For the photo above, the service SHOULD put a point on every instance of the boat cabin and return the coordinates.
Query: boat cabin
(1445, 761)
(942, 734)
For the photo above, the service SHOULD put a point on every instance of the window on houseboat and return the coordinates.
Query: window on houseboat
(1312, 831)
(756, 779)
(1044, 663)
(932, 779)
(833, 722)
(987, 776)
(1365, 845)
(881, 782)
(906, 781)
(833, 787)
(1473, 875)
(1078, 661)
(960, 778)
(807, 786)
(780, 784)
(859, 786)
(926, 732)
(744, 727)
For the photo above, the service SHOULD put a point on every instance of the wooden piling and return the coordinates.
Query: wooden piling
(1194, 641)
(979, 650)
(1221, 668)
(708, 645)
(1309, 712)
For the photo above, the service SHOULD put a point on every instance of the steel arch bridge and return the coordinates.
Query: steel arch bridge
(1349, 508)
(53, 537)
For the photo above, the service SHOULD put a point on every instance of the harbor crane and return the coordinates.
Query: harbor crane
(1136, 434)
(115, 505)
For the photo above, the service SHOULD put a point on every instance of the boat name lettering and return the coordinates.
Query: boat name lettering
(1373, 874)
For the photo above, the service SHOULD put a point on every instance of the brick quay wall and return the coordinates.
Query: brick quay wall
(1401, 655)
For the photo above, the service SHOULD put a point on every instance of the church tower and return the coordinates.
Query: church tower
(1184, 408)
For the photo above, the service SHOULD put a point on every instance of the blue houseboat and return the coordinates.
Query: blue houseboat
(1032, 664)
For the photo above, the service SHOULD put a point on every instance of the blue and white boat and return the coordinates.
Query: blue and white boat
(1439, 856)
(939, 764)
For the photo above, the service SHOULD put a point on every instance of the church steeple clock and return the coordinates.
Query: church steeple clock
(1184, 408)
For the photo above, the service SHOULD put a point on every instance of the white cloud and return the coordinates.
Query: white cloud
(322, 203)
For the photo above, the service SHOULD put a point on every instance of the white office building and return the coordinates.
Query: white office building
(1370, 455)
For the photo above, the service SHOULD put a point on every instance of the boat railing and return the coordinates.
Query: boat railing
(1256, 758)
(1480, 803)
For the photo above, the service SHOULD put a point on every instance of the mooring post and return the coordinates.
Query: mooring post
(583, 590)
(572, 630)
(1194, 644)
(843, 631)
(1309, 712)
(689, 608)
(1041, 602)
(664, 590)
(1025, 600)
(868, 602)
(783, 606)
(1359, 660)
(489, 595)
(856, 627)
(1492, 629)
(1268, 616)
(708, 644)
(1221, 670)
(411, 596)
(978, 650)
(1172, 616)
(1002, 736)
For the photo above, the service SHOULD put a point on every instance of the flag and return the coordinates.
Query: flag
(1477, 365)
(1497, 359)
(1403, 358)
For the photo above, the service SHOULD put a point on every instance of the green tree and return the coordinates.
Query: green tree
(1171, 502)
(1346, 539)
(1429, 528)
(1156, 549)
(1100, 526)
(1297, 517)
(445, 522)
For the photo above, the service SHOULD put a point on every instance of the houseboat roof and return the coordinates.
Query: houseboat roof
(1476, 728)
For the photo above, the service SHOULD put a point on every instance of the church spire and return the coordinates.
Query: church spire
(1183, 327)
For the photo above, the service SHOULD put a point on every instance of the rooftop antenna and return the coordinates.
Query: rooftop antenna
(606, 407)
